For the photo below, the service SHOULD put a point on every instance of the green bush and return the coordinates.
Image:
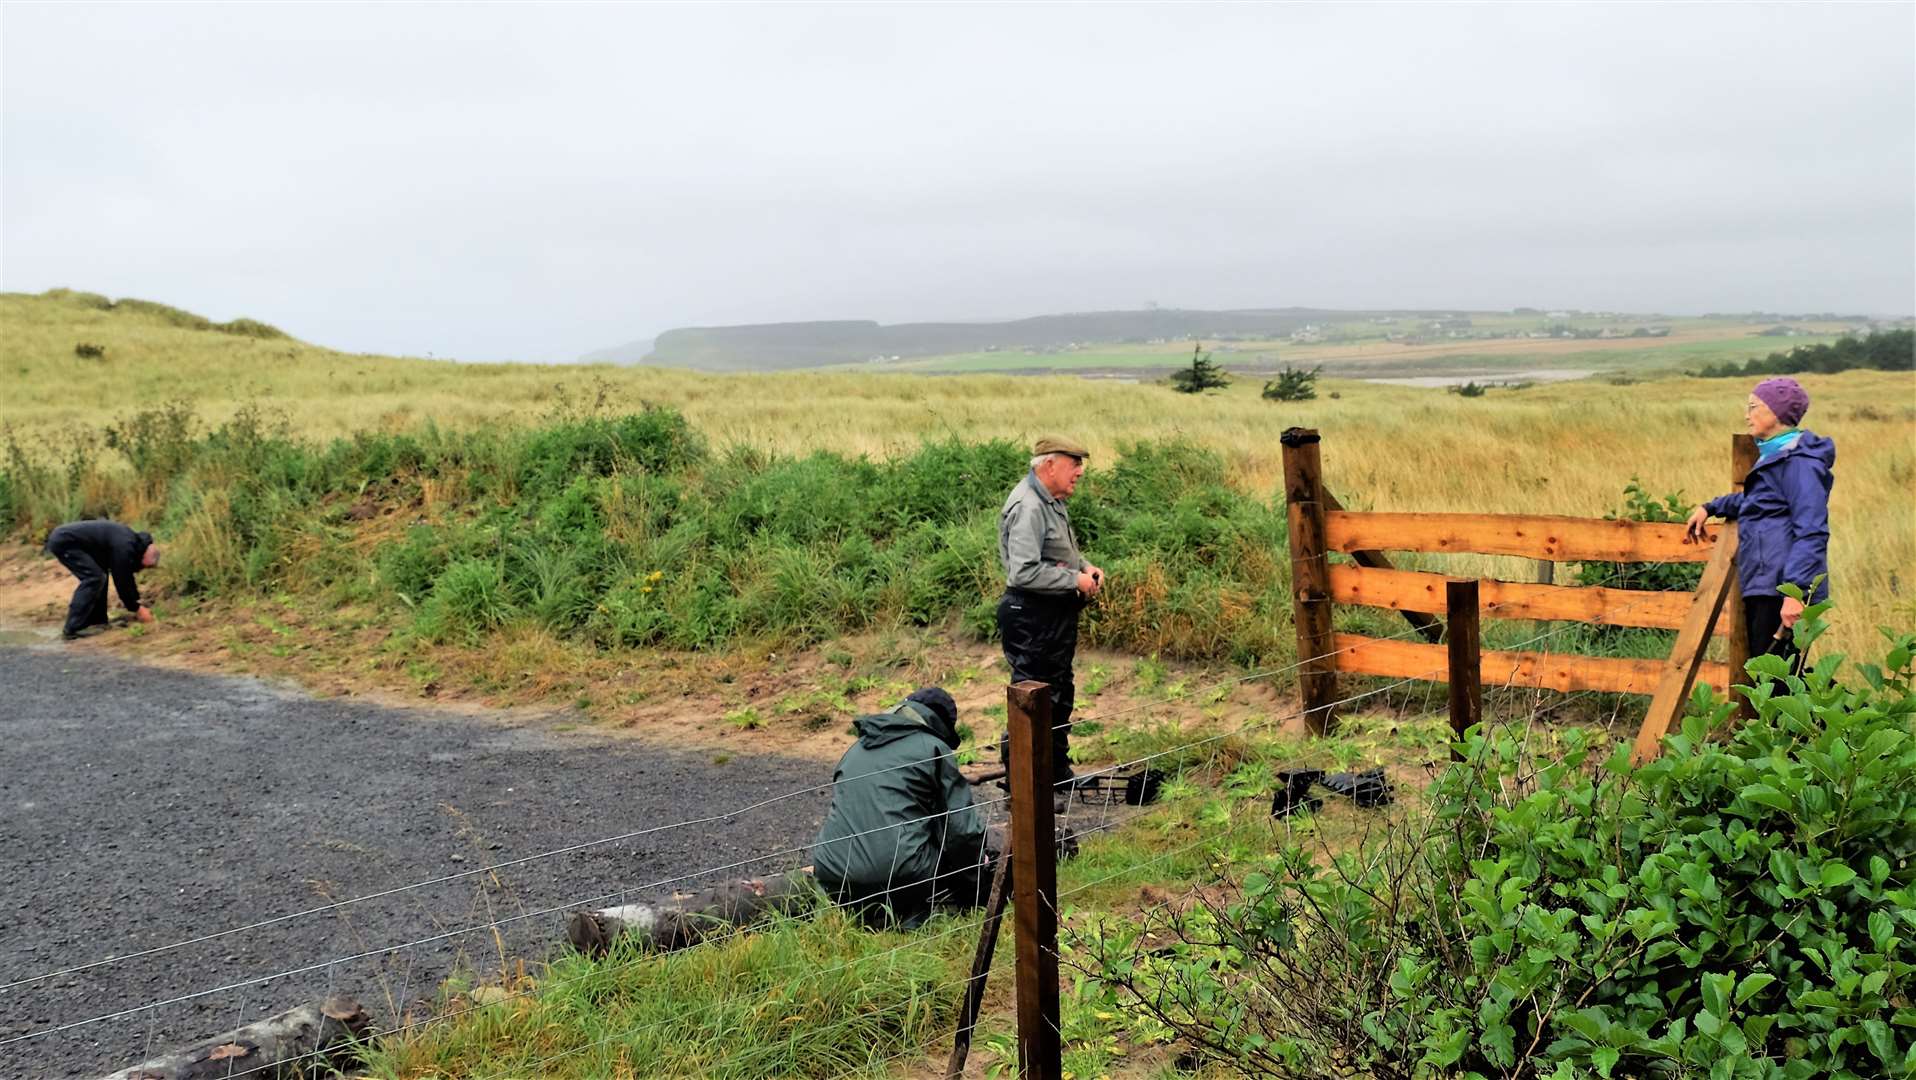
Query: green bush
(251, 328)
(576, 516)
(1293, 384)
(1202, 375)
(467, 600)
(656, 440)
(1743, 906)
(159, 443)
(1640, 505)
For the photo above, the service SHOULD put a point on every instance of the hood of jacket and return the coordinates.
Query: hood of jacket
(907, 719)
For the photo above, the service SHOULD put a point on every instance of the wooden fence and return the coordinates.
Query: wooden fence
(1319, 526)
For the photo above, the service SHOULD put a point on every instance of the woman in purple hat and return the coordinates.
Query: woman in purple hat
(1782, 516)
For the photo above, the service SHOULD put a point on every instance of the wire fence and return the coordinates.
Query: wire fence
(784, 857)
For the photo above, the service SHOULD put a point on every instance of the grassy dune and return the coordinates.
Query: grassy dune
(1565, 448)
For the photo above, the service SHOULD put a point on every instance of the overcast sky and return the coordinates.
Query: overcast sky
(534, 182)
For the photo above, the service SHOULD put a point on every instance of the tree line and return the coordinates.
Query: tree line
(1893, 350)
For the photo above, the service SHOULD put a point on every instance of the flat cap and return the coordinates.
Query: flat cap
(1058, 444)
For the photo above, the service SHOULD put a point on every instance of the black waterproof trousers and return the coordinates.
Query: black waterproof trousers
(1040, 636)
(88, 607)
(1762, 619)
(959, 884)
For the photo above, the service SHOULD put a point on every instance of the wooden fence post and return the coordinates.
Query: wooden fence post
(1034, 881)
(1466, 659)
(1742, 460)
(1310, 578)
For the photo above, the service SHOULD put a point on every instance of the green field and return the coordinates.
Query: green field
(1366, 354)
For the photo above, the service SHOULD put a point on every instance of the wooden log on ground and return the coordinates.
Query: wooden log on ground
(296, 1043)
(687, 920)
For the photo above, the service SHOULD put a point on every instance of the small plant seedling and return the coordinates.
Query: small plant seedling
(1149, 673)
(1094, 681)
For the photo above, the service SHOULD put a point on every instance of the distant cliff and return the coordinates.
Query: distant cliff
(779, 346)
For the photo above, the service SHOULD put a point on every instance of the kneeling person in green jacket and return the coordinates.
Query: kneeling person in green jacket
(903, 836)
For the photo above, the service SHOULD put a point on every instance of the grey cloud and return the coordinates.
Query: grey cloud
(507, 181)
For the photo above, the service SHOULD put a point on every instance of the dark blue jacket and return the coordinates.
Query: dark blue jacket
(1782, 518)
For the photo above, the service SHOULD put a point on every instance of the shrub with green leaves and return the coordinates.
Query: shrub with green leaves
(1640, 505)
(623, 531)
(1743, 906)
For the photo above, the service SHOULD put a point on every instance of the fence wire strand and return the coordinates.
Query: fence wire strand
(494, 924)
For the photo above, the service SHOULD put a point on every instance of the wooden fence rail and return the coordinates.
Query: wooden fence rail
(1320, 526)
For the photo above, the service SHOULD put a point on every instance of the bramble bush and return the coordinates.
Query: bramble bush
(1743, 906)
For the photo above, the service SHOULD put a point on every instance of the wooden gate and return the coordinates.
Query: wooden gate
(1319, 525)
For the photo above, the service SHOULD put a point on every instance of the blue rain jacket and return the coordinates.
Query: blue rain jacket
(1782, 518)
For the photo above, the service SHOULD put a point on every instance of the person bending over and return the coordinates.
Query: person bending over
(903, 837)
(93, 550)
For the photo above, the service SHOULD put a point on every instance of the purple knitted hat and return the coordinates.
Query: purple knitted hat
(1786, 398)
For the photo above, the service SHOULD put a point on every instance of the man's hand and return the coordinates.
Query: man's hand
(1088, 584)
(145, 614)
(1694, 530)
(1792, 611)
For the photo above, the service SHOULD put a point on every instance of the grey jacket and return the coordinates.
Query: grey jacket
(1035, 541)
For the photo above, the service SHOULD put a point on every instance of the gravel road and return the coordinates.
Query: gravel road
(141, 807)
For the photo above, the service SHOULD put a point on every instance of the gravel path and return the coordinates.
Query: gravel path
(141, 807)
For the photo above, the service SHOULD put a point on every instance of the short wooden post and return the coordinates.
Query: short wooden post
(1466, 660)
(1742, 460)
(1310, 578)
(1546, 575)
(1034, 881)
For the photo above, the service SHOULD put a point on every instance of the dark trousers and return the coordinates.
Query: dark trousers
(960, 884)
(1040, 635)
(89, 599)
(1762, 618)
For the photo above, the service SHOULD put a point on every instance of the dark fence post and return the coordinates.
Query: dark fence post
(1034, 881)
(1310, 578)
(1466, 659)
(1546, 575)
(1742, 460)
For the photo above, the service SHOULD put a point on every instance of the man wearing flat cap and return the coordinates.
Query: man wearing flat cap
(1047, 582)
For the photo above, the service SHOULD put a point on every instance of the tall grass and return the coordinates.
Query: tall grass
(1564, 448)
(624, 531)
(819, 997)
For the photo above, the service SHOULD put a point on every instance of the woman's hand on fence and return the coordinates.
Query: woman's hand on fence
(1695, 530)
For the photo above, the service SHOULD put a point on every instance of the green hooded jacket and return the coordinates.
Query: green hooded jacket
(900, 809)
